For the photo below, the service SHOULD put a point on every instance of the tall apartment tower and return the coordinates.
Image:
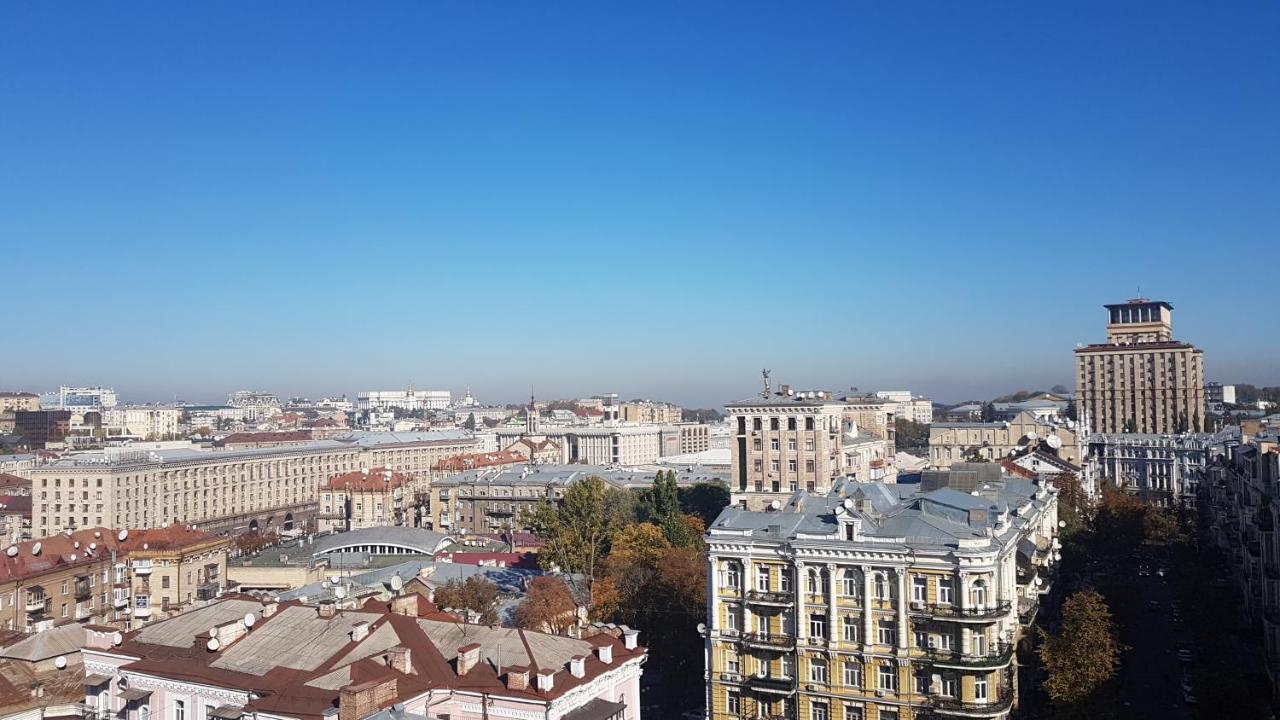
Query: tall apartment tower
(783, 442)
(1141, 380)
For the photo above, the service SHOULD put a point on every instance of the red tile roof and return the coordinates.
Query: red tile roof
(374, 480)
(11, 504)
(173, 537)
(471, 461)
(83, 547)
(9, 482)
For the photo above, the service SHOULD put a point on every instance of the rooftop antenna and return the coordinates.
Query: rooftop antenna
(765, 393)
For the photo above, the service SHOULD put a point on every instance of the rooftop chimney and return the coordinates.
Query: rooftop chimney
(517, 678)
(578, 666)
(400, 659)
(546, 680)
(629, 638)
(363, 700)
(468, 656)
(325, 610)
(605, 653)
(359, 631)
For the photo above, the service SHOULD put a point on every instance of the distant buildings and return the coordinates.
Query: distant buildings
(878, 600)
(597, 444)
(409, 400)
(10, 401)
(219, 490)
(952, 442)
(42, 428)
(650, 412)
(79, 399)
(1141, 380)
(366, 498)
(1216, 395)
(907, 406)
(254, 405)
(1163, 469)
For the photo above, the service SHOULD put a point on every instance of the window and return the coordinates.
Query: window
(817, 626)
(733, 576)
(888, 634)
(755, 424)
(849, 628)
(734, 703)
(757, 445)
(881, 586)
(818, 671)
(732, 664)
(979, 644)
(919, 589)
(731, 618)
(948, 686)
(788, 666)
(762, 579)
(979, 594)
(922, 683)
(888, 677)
(208, 712)
(784, 577)
(791, 465)
(164, 582)
(808, 423)
(179, 710)
(945, 591)
(921, 639)
(773, 424)
(773, 444)
(852, 583)
(791, 444)
(852, 674)
(980, 689)
(818, 711)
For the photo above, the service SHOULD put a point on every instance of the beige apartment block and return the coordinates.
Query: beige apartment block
(173, 568)
(25, 401)
(367, 498)
(1141, 380)
(219, 490)
(785, 442)
(955, 442)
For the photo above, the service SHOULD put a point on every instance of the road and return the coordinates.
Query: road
(1150, 673)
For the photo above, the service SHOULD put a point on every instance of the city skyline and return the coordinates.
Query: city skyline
(655, 202)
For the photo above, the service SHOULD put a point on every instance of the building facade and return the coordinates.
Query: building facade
(876, 601)
(650, 412)
(367, 498)
(785, 442)
(1141, 380)
(220, 490)
(907, 406)
(409, 399)
(1163, 469)
(171, 569)
(953, 442)
(61, 579)
(10, 401)
(597, 444)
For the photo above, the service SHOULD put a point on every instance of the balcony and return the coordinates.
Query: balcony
(82, 589)
(120, 599)
(768, 641)
(993, 611)
(207, 591)
(141, 567)
(974, 708)
(83, 612)
(772, 685)
(37, 603)
(998, 657)
(771, 599)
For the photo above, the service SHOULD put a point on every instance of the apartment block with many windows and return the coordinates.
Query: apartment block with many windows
(876, 601)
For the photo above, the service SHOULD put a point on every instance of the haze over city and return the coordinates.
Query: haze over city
(657, 200)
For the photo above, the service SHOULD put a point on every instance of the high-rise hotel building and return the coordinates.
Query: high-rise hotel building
(1141, 380)
(878, 601)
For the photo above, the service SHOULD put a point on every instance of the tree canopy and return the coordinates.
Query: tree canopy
(476, 596)
(1080, 659)
(547, 606)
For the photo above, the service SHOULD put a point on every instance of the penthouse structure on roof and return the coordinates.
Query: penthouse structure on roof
(878, 600)
(289, 661)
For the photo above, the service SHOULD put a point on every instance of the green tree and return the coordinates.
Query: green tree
(911, 434)
(705, 500)
(1080, 659)
(576, 529)
(470, 424)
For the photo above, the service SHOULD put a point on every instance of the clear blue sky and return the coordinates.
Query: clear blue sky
(651, 199)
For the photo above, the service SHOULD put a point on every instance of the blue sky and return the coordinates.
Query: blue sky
(653, 199)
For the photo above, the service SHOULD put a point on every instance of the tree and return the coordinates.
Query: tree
(705, 500)
(470, 424)
(476, 596)
(1060, 389)
(911, 434)
(1080, 659)
(547, 606)
(576, 529)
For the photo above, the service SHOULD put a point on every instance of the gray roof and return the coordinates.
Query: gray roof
(426, 542)
(180, 629)
(297, 637)
(61, 640)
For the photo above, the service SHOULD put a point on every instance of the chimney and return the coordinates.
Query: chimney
(468, 656)
(360, 701)
(578, 666)
(517, 678)
(605, 652)
(228, 633)
(784, 389)
(359, 631)
(270, 609)
(546, 680)
(630, 638)
(400, 659)
(405, 604)
(325, 610)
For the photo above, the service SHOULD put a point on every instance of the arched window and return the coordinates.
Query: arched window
(852, 583)
(881, 584)
(979, 594)
(732, 575)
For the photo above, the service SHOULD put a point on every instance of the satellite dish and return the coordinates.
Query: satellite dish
(35, 549)
(249, 619)
(702, 627)
(71, 557)
(93, 546)
(60, 662)
(213, 631)
(97, 534)
(145, 546)
(213, 644)
(122, 535)
(1032, 435)
(1062, 523)
(76, 544)
(340, 592)
(774, 505)
(1054, 441)
(12, 551)
(848, 503)
(116, 639)
(397, 582)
